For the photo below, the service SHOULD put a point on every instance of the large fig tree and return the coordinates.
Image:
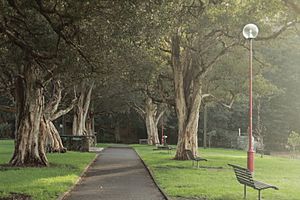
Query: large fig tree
(200, 34)
(37, 37)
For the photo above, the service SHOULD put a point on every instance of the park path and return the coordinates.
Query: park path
(116, 174)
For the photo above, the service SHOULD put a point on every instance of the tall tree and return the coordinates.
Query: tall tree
(281, 112)
(51, 113)
(264, 91)
(151, 116)
(81, 109)
(37, 33)
(200, 35)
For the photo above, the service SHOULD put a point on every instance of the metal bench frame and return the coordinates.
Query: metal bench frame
(192, 157)
(164, 147)
(245, 178)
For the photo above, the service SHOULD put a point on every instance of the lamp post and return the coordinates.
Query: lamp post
(250, 32)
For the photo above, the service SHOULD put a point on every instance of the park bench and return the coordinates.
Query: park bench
(192, 157)
(245, 178)
(163, 147)
(143, 141)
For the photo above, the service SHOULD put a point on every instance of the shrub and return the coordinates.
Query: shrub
(293, 141)
(5, 130)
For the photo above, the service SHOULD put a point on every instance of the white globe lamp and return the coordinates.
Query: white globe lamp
(250, 31)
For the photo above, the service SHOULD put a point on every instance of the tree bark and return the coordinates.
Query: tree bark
(29, 143)
(188, 131)
(81, 110)
(151, 119)
(151, 122)
(205, 127)
(117, 131)
(89, 125)
(187, 99)
(259, 131)
(53, 140)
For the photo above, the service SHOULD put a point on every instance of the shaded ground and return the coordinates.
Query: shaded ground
(117, 173)
(191, 198)
(16, 196)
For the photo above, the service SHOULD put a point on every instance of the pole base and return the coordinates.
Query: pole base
(250, 160)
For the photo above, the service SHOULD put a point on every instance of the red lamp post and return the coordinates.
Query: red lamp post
(250, 32)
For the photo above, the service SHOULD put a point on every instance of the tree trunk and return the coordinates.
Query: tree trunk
(88, 125)
(29, 142)
(117, 131)
(188, 134)
(187, 99)
(155, 138)
(81, 110)
(259, 129)
(90, 122)
(150, 119)
(205, 127)
(54, 142)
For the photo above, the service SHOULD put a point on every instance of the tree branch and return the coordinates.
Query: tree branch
(59, 32)
(277, 33)
(138, 109)
(292, 5)
(23, 45)
(63, 112)
(7, 109)
(165, 50)
(229, 106)
(88, 97)
(160, 115)
(56, 97)
(217, 57)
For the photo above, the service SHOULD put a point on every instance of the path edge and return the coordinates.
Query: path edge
(79, 179)
(152, 176)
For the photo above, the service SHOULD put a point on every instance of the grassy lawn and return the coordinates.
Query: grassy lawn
(216, 180)
(41, 183)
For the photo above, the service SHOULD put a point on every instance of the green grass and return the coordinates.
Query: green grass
(41, 183)
(180, 179)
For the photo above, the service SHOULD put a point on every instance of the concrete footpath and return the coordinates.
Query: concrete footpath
(117, 174)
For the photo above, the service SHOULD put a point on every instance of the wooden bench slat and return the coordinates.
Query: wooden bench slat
(200, 159)
(261, 185)
(246, 182)
(192, 157)
(244, 177)
(242, 171)
(242, 174)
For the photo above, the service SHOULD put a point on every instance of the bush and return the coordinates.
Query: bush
(5, 131)
(293, 141)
